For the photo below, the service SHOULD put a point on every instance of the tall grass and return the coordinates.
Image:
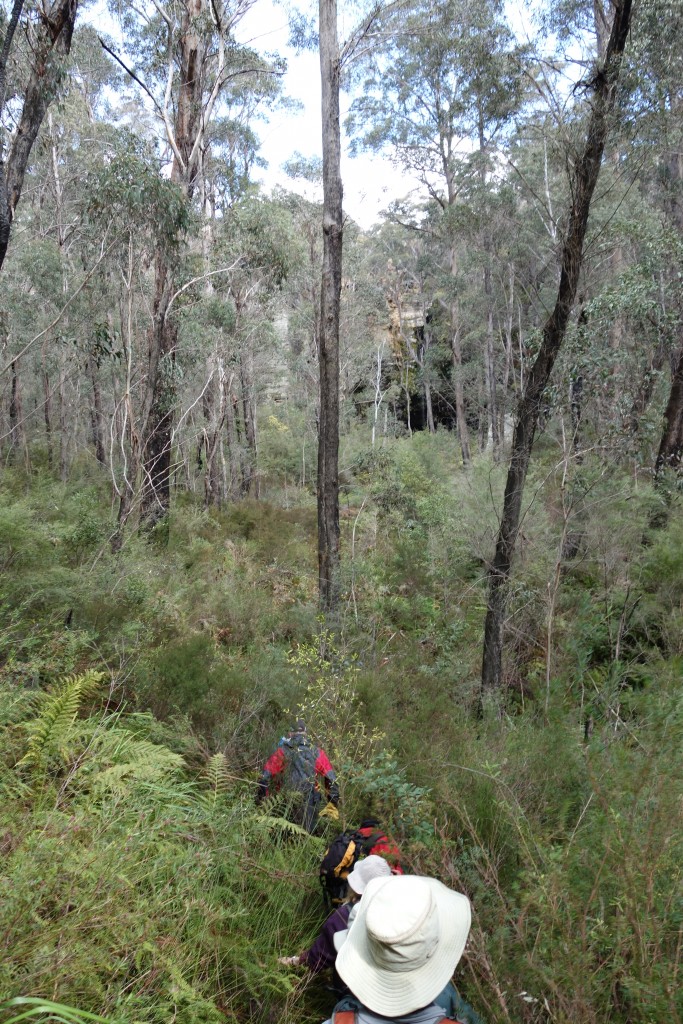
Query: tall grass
(140, 882)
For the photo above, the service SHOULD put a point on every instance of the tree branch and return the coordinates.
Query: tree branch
(129, 71)
(201, 277)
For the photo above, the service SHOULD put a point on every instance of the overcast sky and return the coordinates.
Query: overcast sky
(370, 182)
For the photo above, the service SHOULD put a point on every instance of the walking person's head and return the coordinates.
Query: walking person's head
(409, 933)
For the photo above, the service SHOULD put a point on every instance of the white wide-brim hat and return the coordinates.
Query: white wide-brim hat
(408, 935)
(365, 870)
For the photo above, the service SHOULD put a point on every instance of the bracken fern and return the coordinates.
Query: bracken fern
(50, 732)
(216, 775)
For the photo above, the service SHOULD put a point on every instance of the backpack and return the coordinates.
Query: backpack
(339, 861)
(300, 761)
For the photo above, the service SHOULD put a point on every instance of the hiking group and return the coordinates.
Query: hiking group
(392, 940)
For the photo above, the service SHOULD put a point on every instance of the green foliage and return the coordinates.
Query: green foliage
(130, 897)
(29, 1008)
(49, 734)
(327, 677)
(382, 787)
(129, 191)
(139, 874)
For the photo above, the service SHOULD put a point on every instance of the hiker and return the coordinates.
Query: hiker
(449, 999)
(323, 952)
(344, 852)
(298, 767)
(401, 950)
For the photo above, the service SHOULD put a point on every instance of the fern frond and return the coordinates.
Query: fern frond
(216, 774)
(281, 825)
(132, 762)
(11, 788)
(48, 733)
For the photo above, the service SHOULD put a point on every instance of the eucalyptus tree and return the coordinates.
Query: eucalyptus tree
(258, 243)
(448, 82)
(330, 298)
(51, 278)
(633, 305)
(602, 87)
(30, 77)
(656, 91)
(187, 62)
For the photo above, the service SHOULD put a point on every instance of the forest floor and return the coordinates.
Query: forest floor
(140, 692)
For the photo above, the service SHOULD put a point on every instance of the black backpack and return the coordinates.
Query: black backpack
(339, 861)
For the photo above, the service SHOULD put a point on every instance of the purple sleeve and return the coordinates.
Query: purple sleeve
(322, 953)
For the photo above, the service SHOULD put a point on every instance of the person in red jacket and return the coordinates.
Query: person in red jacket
(376, 841)
(302, 770)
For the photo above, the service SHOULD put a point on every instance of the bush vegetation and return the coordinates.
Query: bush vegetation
(140, 692)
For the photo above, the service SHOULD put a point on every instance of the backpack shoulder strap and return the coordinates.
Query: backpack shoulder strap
(345, 865)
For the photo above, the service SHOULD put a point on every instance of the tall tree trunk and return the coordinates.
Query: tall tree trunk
(63, 420)
(330, 294)
(584, 179)
(6, 212)
(377, 402)
(206, 441)
(461, 422)
(47, 411)
(51, 44)
(156, 494)
(422, 350)
(670, 454)
(235, 486)
(489, 348)
(214, 412)
(456, 353)
(406, 388)
(483, 404)
(249, 414)
(127, 429)
(96, 416)
(490, 366)
(244, 474)
(161, 398)
(508, 365)
(16, 417)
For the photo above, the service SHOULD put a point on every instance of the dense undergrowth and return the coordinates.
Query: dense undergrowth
(140, 692)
